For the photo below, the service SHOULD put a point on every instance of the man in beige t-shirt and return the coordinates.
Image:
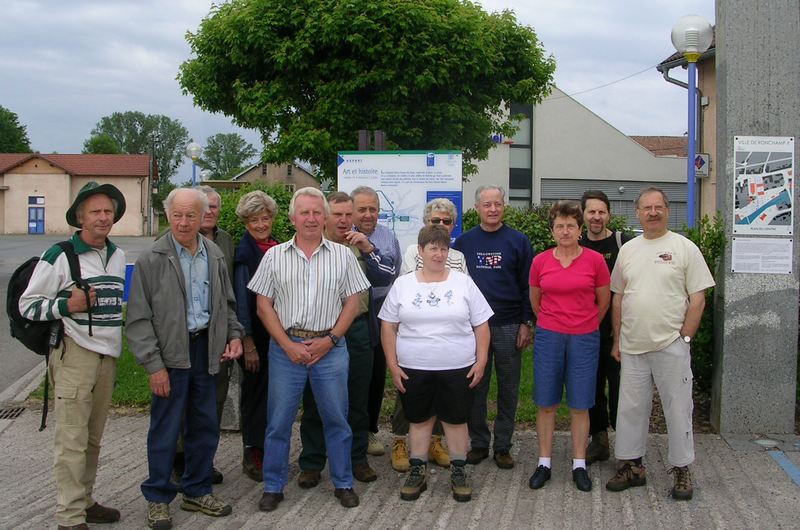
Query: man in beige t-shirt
(659, 284)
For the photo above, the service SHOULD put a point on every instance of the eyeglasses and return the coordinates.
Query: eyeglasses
(436, 221)
(648, 209)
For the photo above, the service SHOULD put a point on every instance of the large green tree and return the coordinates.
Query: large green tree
(13, 135)
(225, 154)
(101, 144)
(134, 132)
(433, 74)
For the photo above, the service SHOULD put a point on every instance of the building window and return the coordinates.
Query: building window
(289, 170)
(289, 188)
(263, 170)
(35, 200)
(520, 171)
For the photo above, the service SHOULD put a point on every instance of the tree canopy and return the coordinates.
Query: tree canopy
(13, 135)
(134, 131)
(225, 154)
(101, 144)
(433, 74)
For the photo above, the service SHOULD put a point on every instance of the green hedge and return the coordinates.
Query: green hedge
(282, 228)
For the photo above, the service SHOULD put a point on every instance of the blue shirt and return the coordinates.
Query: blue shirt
(500, 262)
(388, 248)
(195, 277)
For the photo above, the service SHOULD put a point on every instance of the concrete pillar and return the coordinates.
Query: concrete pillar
(758, 89)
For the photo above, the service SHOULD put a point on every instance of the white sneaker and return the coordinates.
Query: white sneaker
(374, 446)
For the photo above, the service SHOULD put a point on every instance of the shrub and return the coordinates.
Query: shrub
(709, 236)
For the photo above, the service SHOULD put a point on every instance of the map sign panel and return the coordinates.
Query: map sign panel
(763, 190)
(405, 181)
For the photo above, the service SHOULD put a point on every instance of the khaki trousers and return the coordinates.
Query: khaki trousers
(83, 382)
(671, 371)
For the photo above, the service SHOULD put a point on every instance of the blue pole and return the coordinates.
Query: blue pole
(194, 171)
(690, 168)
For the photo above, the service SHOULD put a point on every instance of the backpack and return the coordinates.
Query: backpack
(41, 336)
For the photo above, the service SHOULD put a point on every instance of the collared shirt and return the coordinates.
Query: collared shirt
(195, 277)
(388, 247)
(308, 293)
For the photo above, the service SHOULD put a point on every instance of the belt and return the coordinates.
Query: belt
(306, 334)
(194, 335)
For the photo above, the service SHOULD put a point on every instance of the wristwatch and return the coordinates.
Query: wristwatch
(687, 339)
(529, 323)
(334, 339)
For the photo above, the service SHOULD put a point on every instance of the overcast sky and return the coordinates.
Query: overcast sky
(66, 64)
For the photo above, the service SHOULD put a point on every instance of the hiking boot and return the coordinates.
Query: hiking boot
(158, 516)
(269, 501)
(628, 475)
(374, 446)
(539, 477)
(598, 450)
(503, 459)
(347, 497)
(476, 455)
(437, 452)
(82, 526)
(99, 514)
(216, 476)
(400, 455)
(207, 504)
(308, 478)
(682, 490)
(252, 463)
(581, 479)
(417, 481)
(459, 482)
(363, 473)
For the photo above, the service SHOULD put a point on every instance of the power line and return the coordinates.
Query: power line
(605, 84)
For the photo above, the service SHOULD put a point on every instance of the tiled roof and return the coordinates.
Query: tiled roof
(87, 165)
(663, 145)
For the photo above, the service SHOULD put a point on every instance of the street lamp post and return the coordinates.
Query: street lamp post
(691, 36)
(193, 151)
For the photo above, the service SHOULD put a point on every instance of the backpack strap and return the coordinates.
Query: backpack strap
(75, 272)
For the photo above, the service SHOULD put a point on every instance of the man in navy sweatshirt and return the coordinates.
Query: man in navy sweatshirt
(499, 261)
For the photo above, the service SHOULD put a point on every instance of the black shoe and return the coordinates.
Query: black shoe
(539, 477)
(503, 459)
(216, 476)
(269, 501)
(347, 497)
(476, 455)
(581, 479)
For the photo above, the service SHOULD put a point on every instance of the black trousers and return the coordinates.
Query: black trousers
(253, 399)
(604, 412)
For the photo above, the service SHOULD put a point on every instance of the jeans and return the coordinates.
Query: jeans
(507, 363)
(312, 456)
(287, 380)
(192, 398)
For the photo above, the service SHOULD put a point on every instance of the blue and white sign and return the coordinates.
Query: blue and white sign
(405, 182)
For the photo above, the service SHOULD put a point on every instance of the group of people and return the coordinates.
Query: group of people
(319, 319)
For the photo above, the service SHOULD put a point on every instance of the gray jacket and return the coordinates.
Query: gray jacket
(158, 335)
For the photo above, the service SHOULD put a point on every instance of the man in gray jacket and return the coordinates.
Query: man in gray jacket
(181, 324)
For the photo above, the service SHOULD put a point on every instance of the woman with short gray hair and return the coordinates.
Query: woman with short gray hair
(257, 211)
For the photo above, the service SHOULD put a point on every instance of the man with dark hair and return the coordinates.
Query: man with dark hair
(598, 237)
(366, 204)
(361, 337)
(84, 367)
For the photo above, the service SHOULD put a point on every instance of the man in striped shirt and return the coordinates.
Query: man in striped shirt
(307, 298)
(84, 368)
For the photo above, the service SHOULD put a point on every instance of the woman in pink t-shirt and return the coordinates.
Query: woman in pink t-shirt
(570, 295)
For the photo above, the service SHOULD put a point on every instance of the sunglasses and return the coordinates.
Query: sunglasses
(436, 221)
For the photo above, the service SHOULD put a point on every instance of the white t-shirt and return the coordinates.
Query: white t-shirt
(656, 277)
(436, 320)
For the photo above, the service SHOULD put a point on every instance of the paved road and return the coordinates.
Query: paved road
(15, 360)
